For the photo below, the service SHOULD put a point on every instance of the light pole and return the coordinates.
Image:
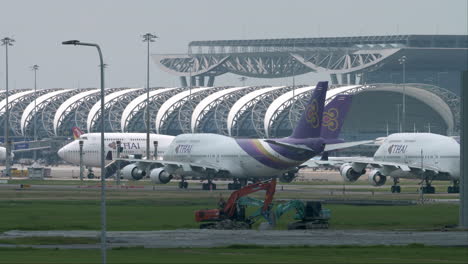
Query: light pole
(7, 42)
(148, 37)
(402, 61)
(35, 67)
(103, 168)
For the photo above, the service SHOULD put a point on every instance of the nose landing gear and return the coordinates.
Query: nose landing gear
(183, 184)
(395, 187)
(90, 173)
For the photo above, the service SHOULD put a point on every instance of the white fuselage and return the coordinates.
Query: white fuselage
(2, 153)
(132, 144)
(426, 150)
(218, 151)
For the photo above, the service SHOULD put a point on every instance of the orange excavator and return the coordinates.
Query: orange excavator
(231, 214)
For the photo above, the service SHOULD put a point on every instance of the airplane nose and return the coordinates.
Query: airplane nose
(61, 153)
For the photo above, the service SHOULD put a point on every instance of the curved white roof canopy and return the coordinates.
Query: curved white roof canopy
(135, 102)
(97, 106)
(278, 102)
(237, 106)
(431, 99)
(63, 107)
(171, 101)
(207, 101)
(12, 98)
(30, 108)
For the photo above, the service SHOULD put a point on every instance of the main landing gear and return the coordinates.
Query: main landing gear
(395, 187)
(237, 184)
(183, 184)
(427, 187)
(455, 188)
(90, 173)
(209, 186)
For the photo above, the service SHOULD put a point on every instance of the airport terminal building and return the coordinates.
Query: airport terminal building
(369, 68)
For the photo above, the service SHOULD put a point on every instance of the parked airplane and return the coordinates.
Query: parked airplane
(133, 145)
(422, 156)
(210, 156)
(3, 154)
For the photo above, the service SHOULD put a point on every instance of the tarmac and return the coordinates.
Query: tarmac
(207, 238)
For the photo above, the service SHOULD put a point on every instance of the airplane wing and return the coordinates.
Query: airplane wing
(344, 145)
(185, 166)
(403, 166)
(312, 163)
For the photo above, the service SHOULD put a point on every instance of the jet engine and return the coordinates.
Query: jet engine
(376, 178)
(287, 177)
(133, 172)
(159, 176)
(349, 174)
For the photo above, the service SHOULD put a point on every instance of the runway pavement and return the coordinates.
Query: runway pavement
(217, 238)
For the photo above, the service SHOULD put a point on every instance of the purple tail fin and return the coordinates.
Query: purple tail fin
(334, 116)
(310, 124)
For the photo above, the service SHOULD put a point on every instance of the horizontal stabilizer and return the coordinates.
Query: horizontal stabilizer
(299, 148)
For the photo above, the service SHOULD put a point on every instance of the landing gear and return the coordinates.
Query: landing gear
(427, 187)
(395, 187)
(183, 184)
(455, 188)
(90, 173)
(209, 186)
(237, 184)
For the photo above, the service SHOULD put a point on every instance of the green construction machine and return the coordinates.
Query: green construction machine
(310, 214)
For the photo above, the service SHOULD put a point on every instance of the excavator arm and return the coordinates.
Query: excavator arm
(229, 209)
(269, 186)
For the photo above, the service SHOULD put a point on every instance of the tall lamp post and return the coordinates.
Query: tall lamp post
(402, 61)
(35, 68)
(148, 37)
(7, 42)
(103, 168)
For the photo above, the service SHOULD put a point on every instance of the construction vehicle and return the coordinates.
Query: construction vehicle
(310, 214)
(231, 214)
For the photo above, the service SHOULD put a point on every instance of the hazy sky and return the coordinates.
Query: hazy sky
(40, 26)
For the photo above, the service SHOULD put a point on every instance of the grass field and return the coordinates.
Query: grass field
(134, 210)
(59, 240)
(245, 254)
(175, 213)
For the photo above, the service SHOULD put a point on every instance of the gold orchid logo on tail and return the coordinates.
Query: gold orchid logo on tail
(312, 115)
(330, 119)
